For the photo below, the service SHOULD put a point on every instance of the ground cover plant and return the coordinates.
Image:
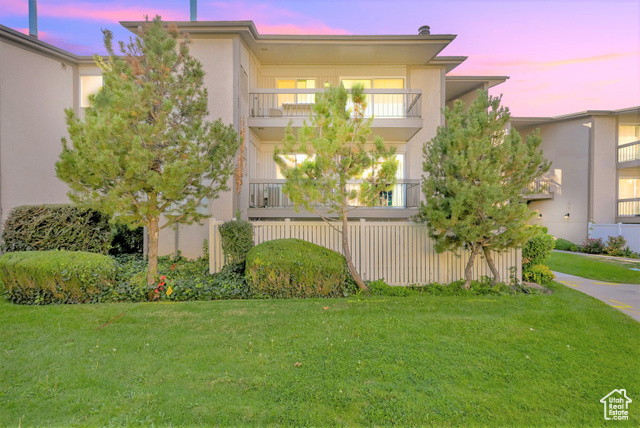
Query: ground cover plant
(418, 360)
(595, 267)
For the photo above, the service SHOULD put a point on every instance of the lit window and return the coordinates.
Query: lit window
(628, 134)
(292, 161)
(89, 85)
(296, 84)
(628, 188)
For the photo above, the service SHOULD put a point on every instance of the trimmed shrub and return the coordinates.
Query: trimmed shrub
(563, 245)
(44, 277)
(56, 227)
(285, 268)
(537, 249)
(538, 274)
(236, 239)
(593, 246)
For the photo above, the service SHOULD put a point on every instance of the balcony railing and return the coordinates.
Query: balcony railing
(403, 194)
(629, 152)
(381, 103)
(540, 186)
(629, 207)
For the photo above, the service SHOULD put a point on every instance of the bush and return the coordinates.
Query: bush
(574, 249)
(125, 240)
(286, 268)
(381, 288)
(236, 239)
(615, 245)
(43, 277)
(563, 244)
(538, 274)
(181, 280)
(537, 249)
(56, 227)
(593, 246)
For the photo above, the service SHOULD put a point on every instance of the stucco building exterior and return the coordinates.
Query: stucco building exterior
(263, 82)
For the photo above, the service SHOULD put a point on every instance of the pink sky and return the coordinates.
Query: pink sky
(562, 56)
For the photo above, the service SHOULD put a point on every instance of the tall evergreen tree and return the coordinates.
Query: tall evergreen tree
(144, 151)
(339, 169)
(477, 173)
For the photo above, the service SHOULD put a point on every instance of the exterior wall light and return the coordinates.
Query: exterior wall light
(566, 216)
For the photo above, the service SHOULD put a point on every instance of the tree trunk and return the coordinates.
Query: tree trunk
(468, 271)
(347, 254)
(152, 271)
(492, 265)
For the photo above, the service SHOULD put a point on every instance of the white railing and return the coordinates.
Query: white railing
(629, 152)
(401, 253)
(381, 103)
(629, 207)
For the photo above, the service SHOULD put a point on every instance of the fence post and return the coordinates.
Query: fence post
(361, 258)
(287, 228)
(619, 229)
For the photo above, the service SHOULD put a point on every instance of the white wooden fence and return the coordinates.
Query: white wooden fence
(631, 233)
(401, 253)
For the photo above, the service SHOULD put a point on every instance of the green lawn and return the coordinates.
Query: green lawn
(420, 360)
(595, 267)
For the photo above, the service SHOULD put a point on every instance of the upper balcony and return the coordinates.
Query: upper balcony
(397, 113)
(629, 154)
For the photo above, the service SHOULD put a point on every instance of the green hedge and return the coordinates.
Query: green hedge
(285, 268)
(56, 227)
(564, 245)
(537, 249)
(237, 240)
(44, 277)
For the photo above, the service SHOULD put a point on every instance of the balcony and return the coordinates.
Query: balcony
(629, 209)
(540, 189)
(396, 113)
(629, 154)
(266, 199)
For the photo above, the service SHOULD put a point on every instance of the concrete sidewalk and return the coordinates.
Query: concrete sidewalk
(624, 297)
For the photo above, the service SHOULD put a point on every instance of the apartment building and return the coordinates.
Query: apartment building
(595, 172)
(262, 82)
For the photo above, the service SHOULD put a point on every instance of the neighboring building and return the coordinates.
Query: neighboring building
(264, 81)
(595, 171)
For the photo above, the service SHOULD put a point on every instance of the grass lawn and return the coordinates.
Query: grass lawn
(595, 267)
(419, 360)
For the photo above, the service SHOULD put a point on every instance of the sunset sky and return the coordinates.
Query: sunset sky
(562, 56)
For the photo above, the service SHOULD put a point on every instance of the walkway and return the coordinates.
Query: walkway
(624, 297)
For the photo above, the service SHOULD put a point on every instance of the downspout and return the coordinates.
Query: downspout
(33, 18)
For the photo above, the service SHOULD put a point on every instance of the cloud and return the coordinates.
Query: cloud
(60, 42)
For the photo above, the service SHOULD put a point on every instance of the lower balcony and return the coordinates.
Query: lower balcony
(266, 199)
(629, 154)
(628, 210)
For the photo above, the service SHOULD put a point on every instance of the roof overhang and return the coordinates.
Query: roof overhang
(630, 115)
(458, 86)
(318, 49)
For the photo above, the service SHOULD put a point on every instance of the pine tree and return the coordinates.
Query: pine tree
(339, 169)
(144, 151)
(477, 173)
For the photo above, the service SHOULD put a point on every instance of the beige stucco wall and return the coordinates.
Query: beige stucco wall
(34, 91)
(467, 98)
(431, 81)
(604, 176)
(566, 145)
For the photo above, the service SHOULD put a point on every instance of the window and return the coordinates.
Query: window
(296, 84)
(628, 188)
(89, 85)
(628, 134)
(291, 161)
(381, 105)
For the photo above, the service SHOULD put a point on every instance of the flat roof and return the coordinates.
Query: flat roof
(631, 114)
(279, 49)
